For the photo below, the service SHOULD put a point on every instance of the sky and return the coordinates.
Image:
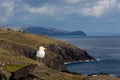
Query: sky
(91, 16)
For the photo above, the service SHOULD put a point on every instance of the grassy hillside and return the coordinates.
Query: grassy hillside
(43, 73)
(17, 50)
(13, 62)
(26, 38)
(17, 43)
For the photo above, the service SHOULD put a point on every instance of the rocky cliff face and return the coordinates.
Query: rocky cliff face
(67, 53)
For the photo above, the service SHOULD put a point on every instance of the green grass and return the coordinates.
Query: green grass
(16, 59)
(13, 62)
(28, 39)
(4, 52)
(14, 67)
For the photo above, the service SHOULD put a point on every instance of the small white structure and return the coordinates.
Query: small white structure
(40, 53)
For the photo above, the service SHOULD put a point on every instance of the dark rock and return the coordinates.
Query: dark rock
(103, 74)
(65, 53)
(93, 74)
(3, 76)
(24, 73)
(4, 73)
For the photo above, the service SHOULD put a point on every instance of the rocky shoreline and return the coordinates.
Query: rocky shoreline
(41, 72)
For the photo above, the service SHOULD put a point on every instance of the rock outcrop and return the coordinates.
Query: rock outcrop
(26, 73)
(41, 72)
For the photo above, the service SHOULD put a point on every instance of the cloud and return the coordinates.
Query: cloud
(111, 20)
(72, 1)
(53, 10)
(58, 8)
(7, 9)
(87, 8)
(118, 6)
(99, 8)
(40, 10)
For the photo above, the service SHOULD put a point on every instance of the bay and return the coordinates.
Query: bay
(104, 48)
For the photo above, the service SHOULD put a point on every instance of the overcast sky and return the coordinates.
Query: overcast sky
(91, 16)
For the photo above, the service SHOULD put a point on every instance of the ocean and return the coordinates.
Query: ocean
(106, 49)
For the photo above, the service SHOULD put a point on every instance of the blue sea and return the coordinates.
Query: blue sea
(106, 49)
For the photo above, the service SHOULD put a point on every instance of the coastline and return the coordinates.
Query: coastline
(75, 62)
(92, 74)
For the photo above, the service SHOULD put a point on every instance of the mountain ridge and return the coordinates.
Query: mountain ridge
(51, 31)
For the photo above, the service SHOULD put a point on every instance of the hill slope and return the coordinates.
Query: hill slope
(58, 52)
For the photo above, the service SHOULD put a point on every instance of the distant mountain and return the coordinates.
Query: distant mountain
(51, 31)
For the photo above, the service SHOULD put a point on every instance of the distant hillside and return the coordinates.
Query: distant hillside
(51, 31)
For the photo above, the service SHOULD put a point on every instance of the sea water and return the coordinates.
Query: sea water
(106, 49)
